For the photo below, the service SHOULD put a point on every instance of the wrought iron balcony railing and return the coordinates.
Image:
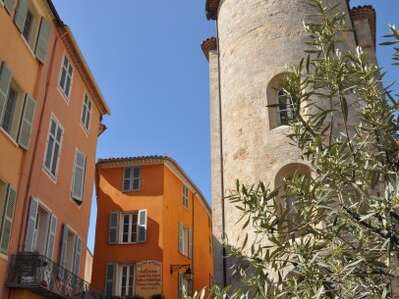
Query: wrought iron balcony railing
(42, 276)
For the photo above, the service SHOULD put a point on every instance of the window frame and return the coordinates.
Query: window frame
(289, 108)
(66, 97)
(131, 269)
(131, 179)
(130, 230)
(52, 176)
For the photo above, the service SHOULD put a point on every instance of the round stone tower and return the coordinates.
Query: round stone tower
(256, 40)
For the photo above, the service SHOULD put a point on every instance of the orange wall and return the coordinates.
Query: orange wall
(161, 195)
(109, 199)
(17, 166)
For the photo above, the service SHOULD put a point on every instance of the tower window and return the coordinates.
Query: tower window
(286, 107)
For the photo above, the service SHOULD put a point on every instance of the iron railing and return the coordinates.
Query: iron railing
(42, 276)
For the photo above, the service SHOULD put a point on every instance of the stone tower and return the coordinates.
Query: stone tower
(255, 40)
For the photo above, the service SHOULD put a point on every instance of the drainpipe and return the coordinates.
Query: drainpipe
(221, 155)
(35, 147)
(192, 237)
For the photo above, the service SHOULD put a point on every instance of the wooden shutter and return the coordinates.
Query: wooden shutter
(190, 243)
(9, 5)
(42, 40)
(142, 224)
(31, 231)
(110, 279)
(78, 176)
(113, 228)
(7, 219)
(64, 245)
(51, 236)
(78, 254)
(5, 82)
(28, 114)
(20, 16)
(181, 238)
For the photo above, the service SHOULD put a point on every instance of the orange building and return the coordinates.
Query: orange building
(50, 119)
(153, 229)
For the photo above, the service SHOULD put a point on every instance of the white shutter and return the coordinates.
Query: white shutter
(31, 231)
(6, 226)
(64, 245)
(51, 236)
(79, 176)
(181, 238)
(113, 232)
(142, 224)
(27, 122)
(5, 82)
(20, 15)
(77, 255)
(190, 243)
(9, 5)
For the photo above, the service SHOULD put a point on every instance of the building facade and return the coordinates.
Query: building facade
(256, 40)
(50, 116)
(153, 229)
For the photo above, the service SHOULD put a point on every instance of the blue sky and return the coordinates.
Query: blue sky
(147, 60)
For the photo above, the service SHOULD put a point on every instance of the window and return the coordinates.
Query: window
(9, 110)
(54, 142)
(66, 77)
(40, 233)
(131, 179)
(185, 286)
(86, 113)
(71, 250)
(129, 228)
(126, 274)
(286, 107)
(185, 241)
(8, 198)
(185, 196)
(78, 179)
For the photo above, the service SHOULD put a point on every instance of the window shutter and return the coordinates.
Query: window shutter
(27, 122)
(78, 176)
(7, 219)
(42, 40)
(113, 228)
(142, 226)
(5, 82)
(109, 279)
(20, 16)
(64, 244)
(51, 236)
(181, 238)
(78, 254)
(9, 5)
(31, 231)
(190, 243)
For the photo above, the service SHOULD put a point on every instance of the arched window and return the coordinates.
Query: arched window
(286, 107)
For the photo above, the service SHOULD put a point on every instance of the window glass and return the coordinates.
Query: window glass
(66, 77)
(286, 107)
(129, 228)
(9, 110)
(53, 147)
(28, 26)
(131, 179)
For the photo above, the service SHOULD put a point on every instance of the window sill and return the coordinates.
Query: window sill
(131, 191)
(85, 131)
(4, 257)
(64, 96)
(50, 176)
(9, 137)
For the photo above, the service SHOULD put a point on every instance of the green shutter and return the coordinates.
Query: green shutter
(5, 82)
(42, 40)
(20, 16)
(7, 219)
(113, 228)
(51, 236)
(27, 122)
(9, 5)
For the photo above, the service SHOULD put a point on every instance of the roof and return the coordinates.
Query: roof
(155, 159)
(85, 71)
(366, 12)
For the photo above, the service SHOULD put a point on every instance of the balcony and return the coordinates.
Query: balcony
(42, 276)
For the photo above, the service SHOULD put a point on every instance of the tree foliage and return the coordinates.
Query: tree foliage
(340, 237)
